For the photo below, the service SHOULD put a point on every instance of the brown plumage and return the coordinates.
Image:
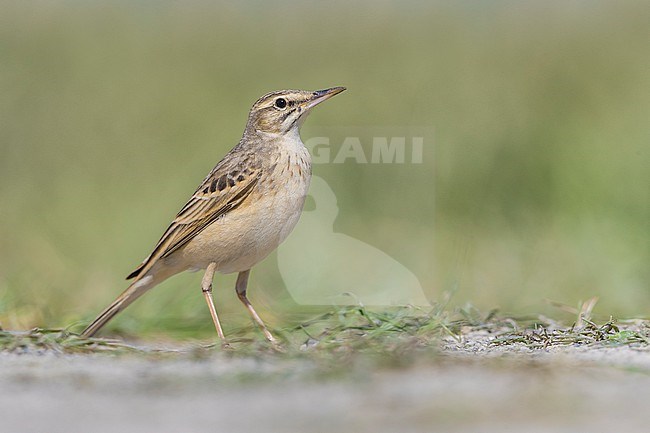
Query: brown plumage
(242, 210)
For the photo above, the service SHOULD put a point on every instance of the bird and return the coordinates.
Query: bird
(245, 207)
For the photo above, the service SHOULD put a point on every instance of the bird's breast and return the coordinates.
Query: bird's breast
(247, 234)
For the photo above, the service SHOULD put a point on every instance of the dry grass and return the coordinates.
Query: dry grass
(392, 338)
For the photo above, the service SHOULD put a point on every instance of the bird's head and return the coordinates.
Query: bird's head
(284, 111)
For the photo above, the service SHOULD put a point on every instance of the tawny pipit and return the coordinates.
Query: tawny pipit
(241, 212)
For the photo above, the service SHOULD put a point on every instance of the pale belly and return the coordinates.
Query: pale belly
(246, 235)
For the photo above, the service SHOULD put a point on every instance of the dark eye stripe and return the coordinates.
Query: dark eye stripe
(285, 115)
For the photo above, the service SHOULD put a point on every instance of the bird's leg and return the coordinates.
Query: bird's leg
(240, 286)
(206, 287)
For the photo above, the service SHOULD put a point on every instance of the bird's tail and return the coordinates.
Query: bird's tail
(133, 292)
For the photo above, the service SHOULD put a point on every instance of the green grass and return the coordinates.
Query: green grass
(38, 340)
(354, 339)
(541, 337)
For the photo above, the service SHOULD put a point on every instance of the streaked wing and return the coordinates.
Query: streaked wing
(225, 188)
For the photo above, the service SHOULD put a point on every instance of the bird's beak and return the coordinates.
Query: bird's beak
(323, 95)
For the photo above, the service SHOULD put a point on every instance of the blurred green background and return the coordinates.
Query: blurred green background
(535, 186)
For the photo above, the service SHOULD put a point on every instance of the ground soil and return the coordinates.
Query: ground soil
(470, 386)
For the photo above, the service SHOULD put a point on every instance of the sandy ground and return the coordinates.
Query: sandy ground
(468, 388)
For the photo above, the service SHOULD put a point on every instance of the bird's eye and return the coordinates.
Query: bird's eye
(281, 103)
